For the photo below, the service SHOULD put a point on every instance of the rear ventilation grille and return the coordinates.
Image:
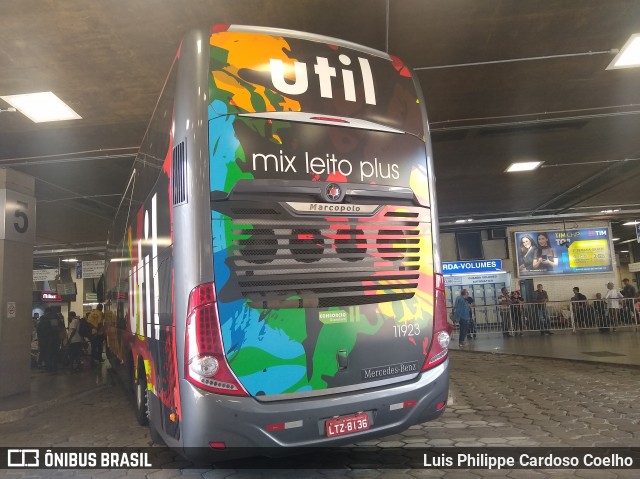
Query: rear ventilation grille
(179, 174)
(323, 262)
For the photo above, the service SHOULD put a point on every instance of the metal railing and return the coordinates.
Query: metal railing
(516, 319)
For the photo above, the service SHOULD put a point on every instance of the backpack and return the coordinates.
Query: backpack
(84, 330)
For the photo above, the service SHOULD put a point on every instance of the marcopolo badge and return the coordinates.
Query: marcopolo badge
(333, 192)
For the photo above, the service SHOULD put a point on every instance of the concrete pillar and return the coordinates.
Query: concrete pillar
(17, 237)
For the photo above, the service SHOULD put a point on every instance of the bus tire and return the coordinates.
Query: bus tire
(140, 396)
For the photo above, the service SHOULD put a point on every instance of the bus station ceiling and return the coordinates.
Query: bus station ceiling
(503, 80)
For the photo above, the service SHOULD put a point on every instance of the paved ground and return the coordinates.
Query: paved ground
(496, 400)
(620, 347)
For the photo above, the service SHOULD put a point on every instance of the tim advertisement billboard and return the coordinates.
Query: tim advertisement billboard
(563, 252)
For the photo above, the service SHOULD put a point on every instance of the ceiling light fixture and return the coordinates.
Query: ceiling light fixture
(523, 166)
(70, 260)
(120, 260)
(609, 211)
(629, 54)
(615, 239)
(42, 107)
(464, 221)
(629, 223)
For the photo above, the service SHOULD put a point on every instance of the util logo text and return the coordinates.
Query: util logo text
(325, 73)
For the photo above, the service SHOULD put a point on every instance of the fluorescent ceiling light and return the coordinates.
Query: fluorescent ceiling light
(629, 223)
(70, 260)
(120, 260)
(623, 251)
(609, 211)
(42, 107)
(464, 221)
(629, 55)
(523, 166)
(615, 239)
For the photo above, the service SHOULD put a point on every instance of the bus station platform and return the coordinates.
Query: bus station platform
(620, 347)
(614, 348)
(53, 390)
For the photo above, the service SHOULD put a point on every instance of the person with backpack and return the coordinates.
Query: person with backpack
(84, 328)
(96, 320)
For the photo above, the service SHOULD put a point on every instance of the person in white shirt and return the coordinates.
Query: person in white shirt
(614, 304)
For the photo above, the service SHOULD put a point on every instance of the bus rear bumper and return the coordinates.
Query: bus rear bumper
(243, 426)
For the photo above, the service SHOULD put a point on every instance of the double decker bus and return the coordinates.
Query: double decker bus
(273, 275)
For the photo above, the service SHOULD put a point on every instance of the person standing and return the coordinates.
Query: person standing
(517, 315)
(43, 333)
(614, 305)
(462, 313)
(629, 293)
(600, 310)
(75, 342)
(540, 297)
(63, 356)
(49, 339)
(504, 300)
(579, 307)
(96, 319)
(472, 333)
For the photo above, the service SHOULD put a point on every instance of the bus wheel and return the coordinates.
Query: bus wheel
(141, 396)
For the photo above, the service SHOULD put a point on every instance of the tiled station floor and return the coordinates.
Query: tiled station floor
(495, 400)
(619, 347)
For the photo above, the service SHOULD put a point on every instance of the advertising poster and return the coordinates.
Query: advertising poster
(563, 252)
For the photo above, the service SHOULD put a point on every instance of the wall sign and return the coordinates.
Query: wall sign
(92, 269)
(472, 267)
(563, 252)
(19, 222)
(50, 297)
(45, 274)
(466, 280)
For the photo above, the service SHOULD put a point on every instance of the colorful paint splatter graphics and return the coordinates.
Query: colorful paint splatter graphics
(309, 302)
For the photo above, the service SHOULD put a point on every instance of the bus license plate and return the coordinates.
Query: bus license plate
(347, 424)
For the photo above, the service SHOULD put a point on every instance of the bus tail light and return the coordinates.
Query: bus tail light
(439, 349)
(205, 362)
